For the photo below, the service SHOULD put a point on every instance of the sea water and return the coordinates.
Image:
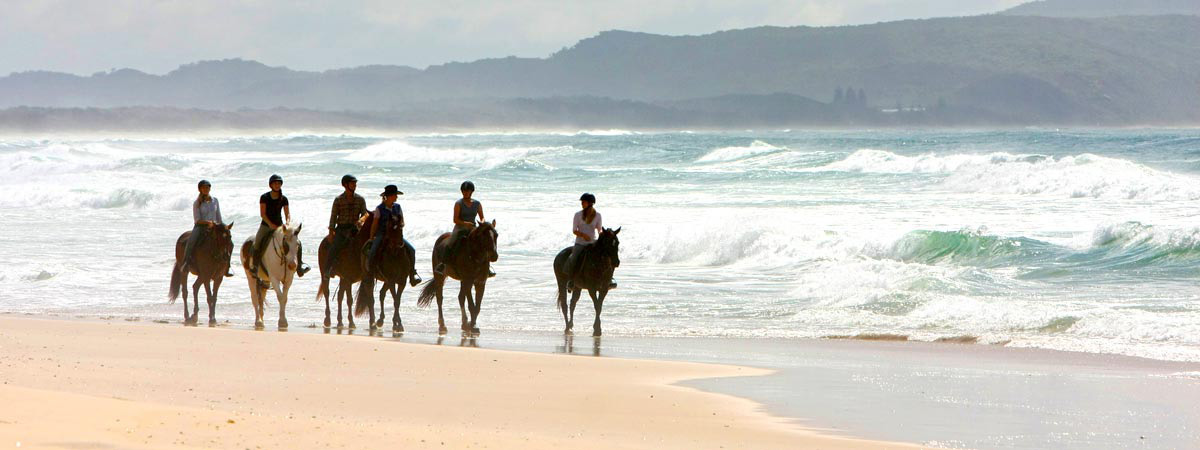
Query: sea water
(1082, 240)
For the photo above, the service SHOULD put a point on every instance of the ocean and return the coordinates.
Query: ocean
(1081, 240)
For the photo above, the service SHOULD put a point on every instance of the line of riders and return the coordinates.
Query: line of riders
(348, 215)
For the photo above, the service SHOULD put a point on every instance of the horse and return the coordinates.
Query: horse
(596, 267)
(393, 268)
(211, 257)
(278, 266)
(470, 263)
(349, 270)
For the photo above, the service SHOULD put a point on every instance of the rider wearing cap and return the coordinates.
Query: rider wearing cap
(206, 214)
(586, 226)
(270, 204)
(465, 212)
(387, 211)
(349, 211)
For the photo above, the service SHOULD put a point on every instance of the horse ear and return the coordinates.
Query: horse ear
(230, 226)
(617, 231)
(297, 233)
(493, 223)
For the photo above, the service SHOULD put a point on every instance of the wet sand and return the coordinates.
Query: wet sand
(79, 384)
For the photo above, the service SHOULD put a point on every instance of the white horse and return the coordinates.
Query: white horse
(279, 264)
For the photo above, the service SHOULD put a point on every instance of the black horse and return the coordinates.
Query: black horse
(393, 267)
(595, 274)
(469, 264)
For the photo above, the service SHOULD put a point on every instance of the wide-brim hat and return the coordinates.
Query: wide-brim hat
(390, 189)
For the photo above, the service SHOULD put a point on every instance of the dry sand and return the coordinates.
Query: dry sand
(70, 384)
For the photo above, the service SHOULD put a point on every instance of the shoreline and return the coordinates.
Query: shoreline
(131, 385)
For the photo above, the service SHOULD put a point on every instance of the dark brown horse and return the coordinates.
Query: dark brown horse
(349, 270)
(596, 267)
(470, 263)
(211, 258)
(393, 268)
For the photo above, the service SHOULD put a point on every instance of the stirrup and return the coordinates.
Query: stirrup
(491, 273)
(612, 284)
(304, 268)
(414, 280)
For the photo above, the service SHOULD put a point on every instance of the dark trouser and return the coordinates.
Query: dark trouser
(459, 233)
(260, 243)
(408, 248)
(342, 235)
(575, 259)
(198, 235)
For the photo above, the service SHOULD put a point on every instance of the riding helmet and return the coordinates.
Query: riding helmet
(203, 183)
(275, 178)
(467, 186)
(588, 197)
(347, 179)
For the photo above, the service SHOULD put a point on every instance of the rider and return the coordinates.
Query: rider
(349, 212)
(269, 206)
(586, 225)
(465, 211)
(387, 211)
(206, 212)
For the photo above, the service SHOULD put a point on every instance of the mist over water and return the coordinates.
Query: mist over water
(1068, 240)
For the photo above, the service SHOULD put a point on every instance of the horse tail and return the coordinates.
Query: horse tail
(177, 271)
(366, 296)
(323, 291)
(562, 295)
(429, 292)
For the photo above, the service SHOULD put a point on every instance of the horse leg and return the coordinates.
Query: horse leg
(196, 299)
(212, 304)
(348, 292)
(282, 293)
(477, 305)
(464, 292)
(397, 325)
(382, 307)
(186, 317)
(441, 319)
(376, 325)
(327, 321)
(256, 299)
(574, 300)
(599, 304)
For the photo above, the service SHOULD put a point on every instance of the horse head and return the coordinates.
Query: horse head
(393, 234)
(484, 238)
(609, 246)
(290, 245)
(223, 236)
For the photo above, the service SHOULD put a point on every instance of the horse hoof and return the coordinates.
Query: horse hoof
(258, 325)
(379, 323)
(442, 331)
(352, 326)
(596, 333)
(568, 332)
(212, 322)
(475, 331)
(282, 324)
(397, 328)
(327, 323)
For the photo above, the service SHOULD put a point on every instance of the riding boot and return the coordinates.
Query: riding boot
(303, 269)
(612, 284)
(414, 279)
(491, 273)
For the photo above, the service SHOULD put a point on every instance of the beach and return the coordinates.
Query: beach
(83, 384)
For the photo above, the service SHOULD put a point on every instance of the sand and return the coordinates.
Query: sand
(78, 384)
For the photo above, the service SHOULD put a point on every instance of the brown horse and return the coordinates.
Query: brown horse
(595, 274)
(470, 263)
(211, 257)
(393, 268)
(349, 270)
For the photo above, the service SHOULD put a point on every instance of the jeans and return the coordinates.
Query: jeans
(574, 261)
(198, 234)
(342, 235)
(408, 248)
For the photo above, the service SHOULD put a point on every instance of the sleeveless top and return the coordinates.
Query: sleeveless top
(468, 213)
(387, 215)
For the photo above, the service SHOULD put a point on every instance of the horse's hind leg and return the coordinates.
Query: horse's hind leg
(373, 324)
(574, 301)
(441, 318)
(257, 298)
(196, 300)
(187, 318)
(326, 295)
(464, 291)
(348, 294)
(382, 307)
(397, 325)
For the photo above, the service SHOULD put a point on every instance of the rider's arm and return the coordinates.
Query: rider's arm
(374, 223)
(333, 215)
(262, 212)
(457, 209)
(576, 227)
(196, 213)
(217, 210)
(481, 219)
(287, 214)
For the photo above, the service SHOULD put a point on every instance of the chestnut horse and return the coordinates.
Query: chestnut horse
(349, 270)
(211, 257)
(470, 263)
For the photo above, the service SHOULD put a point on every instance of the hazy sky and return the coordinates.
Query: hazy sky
(85, 36)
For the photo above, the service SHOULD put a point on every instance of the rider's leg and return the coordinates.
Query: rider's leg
(341, 237)
(260, 246)
(301, 267)
(450, 249)
(413, 279)
(189, 249)
(375, 243)
(573, 265)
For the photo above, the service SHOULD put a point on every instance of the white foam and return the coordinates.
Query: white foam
(403, 152)
(735, 153)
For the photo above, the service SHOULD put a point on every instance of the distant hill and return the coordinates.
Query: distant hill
(1105, 8)
(1130, 70)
